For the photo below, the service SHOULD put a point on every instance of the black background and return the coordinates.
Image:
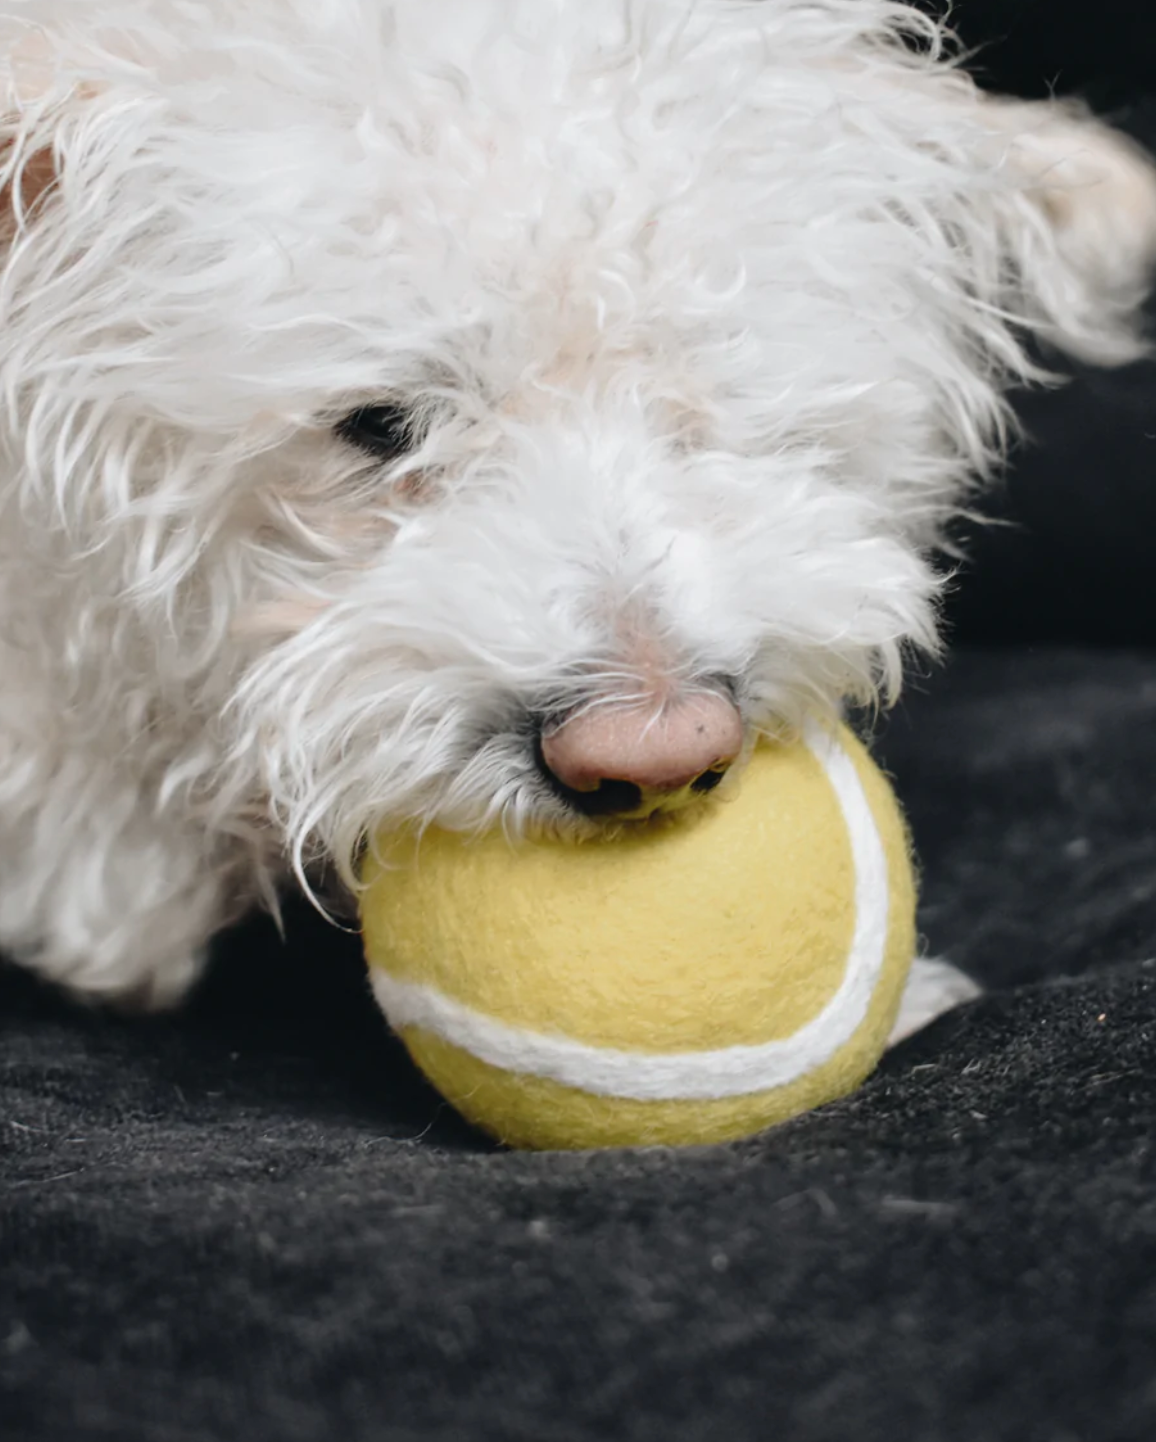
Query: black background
(1073, 559)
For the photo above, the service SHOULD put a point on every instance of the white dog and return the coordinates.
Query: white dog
(481, 411)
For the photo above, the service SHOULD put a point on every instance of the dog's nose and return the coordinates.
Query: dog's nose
(620, 760)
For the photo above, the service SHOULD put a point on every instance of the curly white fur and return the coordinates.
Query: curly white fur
(701, 311)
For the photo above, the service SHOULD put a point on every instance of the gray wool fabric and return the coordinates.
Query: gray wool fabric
(254, 1220)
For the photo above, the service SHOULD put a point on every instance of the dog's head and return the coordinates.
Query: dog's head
(428, 387)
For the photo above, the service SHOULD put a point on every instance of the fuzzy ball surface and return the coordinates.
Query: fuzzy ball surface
(685, 982)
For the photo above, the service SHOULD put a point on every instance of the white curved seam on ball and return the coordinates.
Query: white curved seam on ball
(695, 1075)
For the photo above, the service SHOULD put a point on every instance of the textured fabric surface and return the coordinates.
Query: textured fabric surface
(255, 1221)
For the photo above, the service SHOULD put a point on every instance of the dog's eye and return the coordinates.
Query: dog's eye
(383, 431)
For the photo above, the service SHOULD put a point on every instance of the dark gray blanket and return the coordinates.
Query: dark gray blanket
(253, 1221)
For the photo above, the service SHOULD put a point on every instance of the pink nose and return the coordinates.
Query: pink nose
(613, 748)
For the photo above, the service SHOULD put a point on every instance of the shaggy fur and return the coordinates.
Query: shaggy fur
(693, 317)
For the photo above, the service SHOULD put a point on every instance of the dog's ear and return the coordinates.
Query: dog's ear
(39, 86)
(1056, 209)
(26, 181)
(1083, 236)
(47, 82)
(27, 163)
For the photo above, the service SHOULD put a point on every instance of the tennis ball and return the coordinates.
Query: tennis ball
(688, 980)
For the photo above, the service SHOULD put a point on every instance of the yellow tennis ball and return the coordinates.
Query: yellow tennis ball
(688, 981)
